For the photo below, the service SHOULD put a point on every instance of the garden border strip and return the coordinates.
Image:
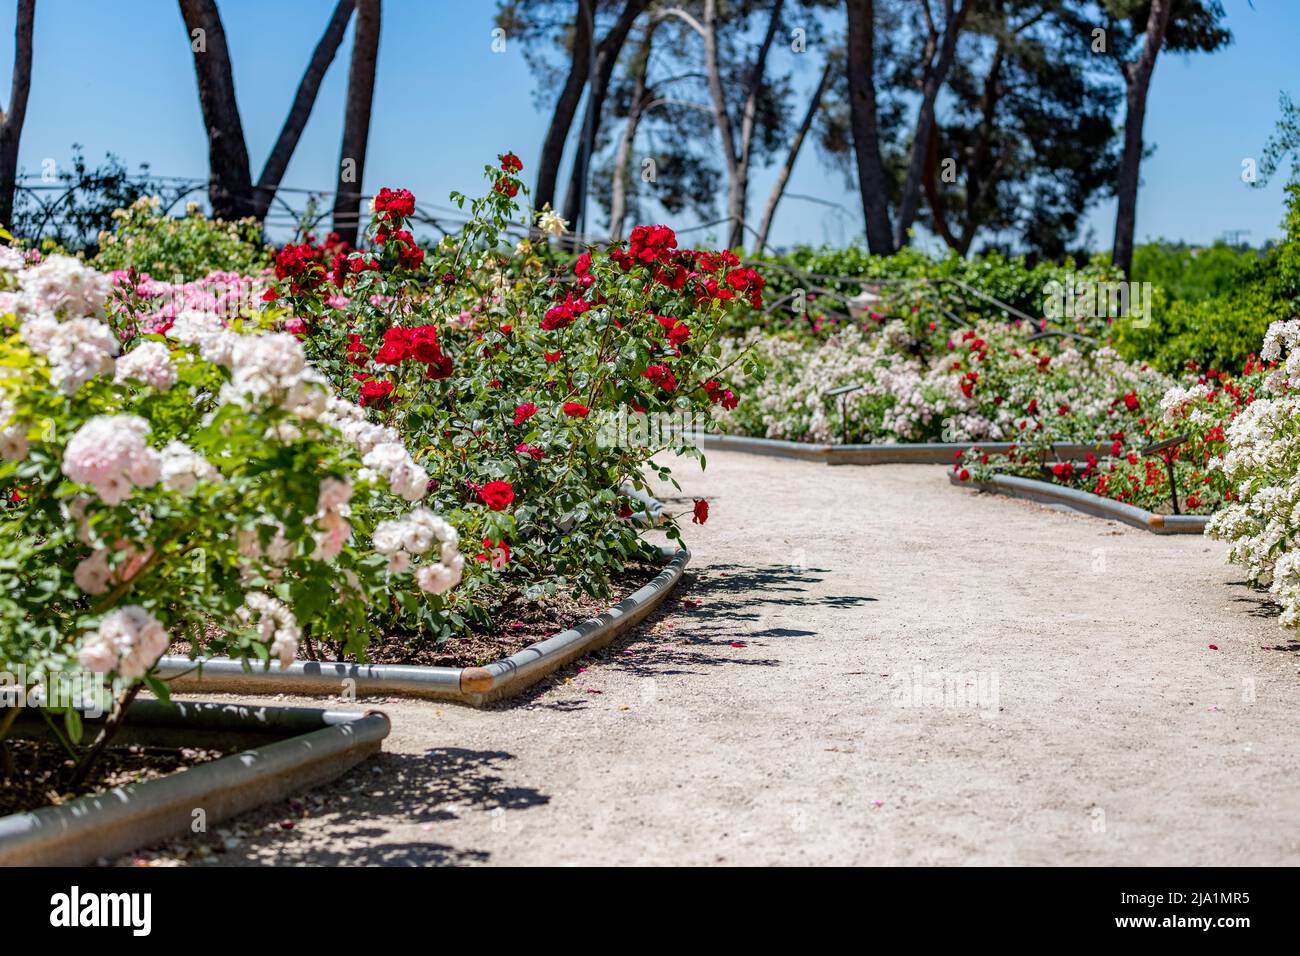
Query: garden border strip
(466, 685)
(903, 453)
(1046, 492)
(294, 749)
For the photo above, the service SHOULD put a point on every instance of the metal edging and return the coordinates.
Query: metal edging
(468, 685)
(122, 819)
(1087, 503)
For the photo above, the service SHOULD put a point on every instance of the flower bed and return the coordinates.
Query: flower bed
(1186, 440)
(990, 382)
(270, 467)
(1262, 467)
(272, 752)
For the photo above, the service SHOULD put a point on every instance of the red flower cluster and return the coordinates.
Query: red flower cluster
(510, 163)
(662, 376)
(675, 330)
(376, 393)
(646, 244)
(343, 266)
(394, 204)
(576, 410)
(561, 316)
(720, 396)
(749, 283)
(301, 266)
(409, 255)
(420, 344)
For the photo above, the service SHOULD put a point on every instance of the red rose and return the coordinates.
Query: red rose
(524, 412)
(510, 163)
(552, 357)
(497, 495)
(701, 511)
(394, 202)
(532, 451)
(498, 555)
(376, 393)
(1131, 402)
(662, 376)
(576, 410)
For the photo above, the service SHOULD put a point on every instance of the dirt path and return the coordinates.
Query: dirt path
(799, 714)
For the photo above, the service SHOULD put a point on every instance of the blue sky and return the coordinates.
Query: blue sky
(118, 77)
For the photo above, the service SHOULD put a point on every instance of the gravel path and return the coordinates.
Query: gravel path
(881, 669)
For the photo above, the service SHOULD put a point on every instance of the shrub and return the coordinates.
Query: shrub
(202, 486)
(1261, 465)
(807, 294)
(1201, 409)
(180, 249)
(989, 382)
(511, 378)
(1220, 331)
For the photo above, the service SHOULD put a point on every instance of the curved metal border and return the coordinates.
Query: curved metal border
(887, 453)
(104, 825)
(1084, 501)
(467, 685)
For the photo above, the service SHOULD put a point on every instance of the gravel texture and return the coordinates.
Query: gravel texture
(880, 669)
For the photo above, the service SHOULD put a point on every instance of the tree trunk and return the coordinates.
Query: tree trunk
(548, 164)
(300, 111)
(736, 155)
(783, 174)
(356, 121)
(910, 201)
(11, 121)
(623, 158)
(873, 183)
(932, 197)
(607, 54)
(1137, 78)
(230, 184)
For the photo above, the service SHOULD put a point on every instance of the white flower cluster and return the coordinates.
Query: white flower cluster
(331, 518)
(274, 623)
(271, 369)
(13, 433)
(405, 478)
(1262, 464)
(129, 641)
(78, 350)
(350, 419)
(93, 575)
(149, 362)
(110, 453)
(207, 332)
(407, 538)
(183, 468)
(1176, 402)
(63, 285)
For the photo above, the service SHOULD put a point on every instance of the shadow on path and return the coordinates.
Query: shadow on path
(347, 820)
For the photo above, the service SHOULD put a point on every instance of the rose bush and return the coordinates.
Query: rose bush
(1262, 468)
(1200, 409)
(190, 247)
(512, 378)
(196, 481)
(987, 382)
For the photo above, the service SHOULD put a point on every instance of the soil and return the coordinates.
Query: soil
(1143, 713)
(42, 769)
(519, 623)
